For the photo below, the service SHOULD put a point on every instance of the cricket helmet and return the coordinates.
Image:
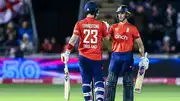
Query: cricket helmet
(91, 8)
(123, 9)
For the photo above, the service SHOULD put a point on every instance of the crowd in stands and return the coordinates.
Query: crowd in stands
(156, 24)
(50, 46)
(16, 33)
(13, 35)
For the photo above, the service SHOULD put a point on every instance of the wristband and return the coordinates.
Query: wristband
(70, 47)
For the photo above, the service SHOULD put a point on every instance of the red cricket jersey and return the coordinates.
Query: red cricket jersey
(123, 37)
(91, 32)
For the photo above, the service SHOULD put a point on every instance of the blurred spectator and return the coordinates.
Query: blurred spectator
(147, 5)
(170, 11)
(25, 28)
(10, 41)
(155, 27)
(140, 19)
(2, 34)
(11, 29)
(9, 45)
(46, 46)
(170, 25)
(167, 45)
(56, 48)
(66, 45)
(108, 16)
(132, 6)
(26, 45)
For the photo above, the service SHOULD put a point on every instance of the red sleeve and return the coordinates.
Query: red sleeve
(105, 30)
(76, 29)
(136, 33)
(111, 30)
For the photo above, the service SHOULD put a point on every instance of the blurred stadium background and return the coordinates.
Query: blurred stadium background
(33, 33)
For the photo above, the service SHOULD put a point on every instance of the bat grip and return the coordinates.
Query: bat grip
(66, 68)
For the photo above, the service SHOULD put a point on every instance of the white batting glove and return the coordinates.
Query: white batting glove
(144, 62)
(65, 56)
(107, 25)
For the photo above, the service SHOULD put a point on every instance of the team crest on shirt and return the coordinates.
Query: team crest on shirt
(127, 29)
(116, 29)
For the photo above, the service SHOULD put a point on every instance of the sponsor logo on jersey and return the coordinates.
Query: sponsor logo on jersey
(123, 37)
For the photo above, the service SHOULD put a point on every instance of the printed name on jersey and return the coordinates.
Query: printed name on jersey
(90, 26)
(89, 46)
(123, 37)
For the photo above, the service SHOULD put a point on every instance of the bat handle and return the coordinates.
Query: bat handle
(145, 55)
(66, 67)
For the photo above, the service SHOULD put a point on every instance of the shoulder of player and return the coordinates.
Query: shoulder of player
(114, 25)
(131, 25)
(100, 22)
(80, 21)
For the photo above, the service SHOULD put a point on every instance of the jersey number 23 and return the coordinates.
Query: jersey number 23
(90, 36)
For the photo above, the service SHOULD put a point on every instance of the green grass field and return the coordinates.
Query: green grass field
(55, 93)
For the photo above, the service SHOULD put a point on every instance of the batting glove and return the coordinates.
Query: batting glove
(144, 62)
(65, 56)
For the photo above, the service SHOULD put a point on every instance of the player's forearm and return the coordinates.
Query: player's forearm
(73, 39)
(72, 42)
(141, 50)
(140, 46)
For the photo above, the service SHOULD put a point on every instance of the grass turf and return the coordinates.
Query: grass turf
(55, 93)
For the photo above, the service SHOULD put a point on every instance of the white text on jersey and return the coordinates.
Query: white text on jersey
(89, 46)
(123, 37)
(90, 25)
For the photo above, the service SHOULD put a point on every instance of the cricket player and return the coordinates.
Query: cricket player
(91, 32)
(124, 35)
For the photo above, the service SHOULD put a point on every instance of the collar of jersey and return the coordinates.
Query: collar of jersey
(90, 17)
(122, 24)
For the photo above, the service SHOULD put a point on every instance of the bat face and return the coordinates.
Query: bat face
(141, 71)
(66, 87)
(139, 80)
(140, 77)
(137, 90)
(66, 78)
(66, 84)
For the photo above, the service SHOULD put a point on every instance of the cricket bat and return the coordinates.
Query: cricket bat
(140, 78)
(66, 82)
